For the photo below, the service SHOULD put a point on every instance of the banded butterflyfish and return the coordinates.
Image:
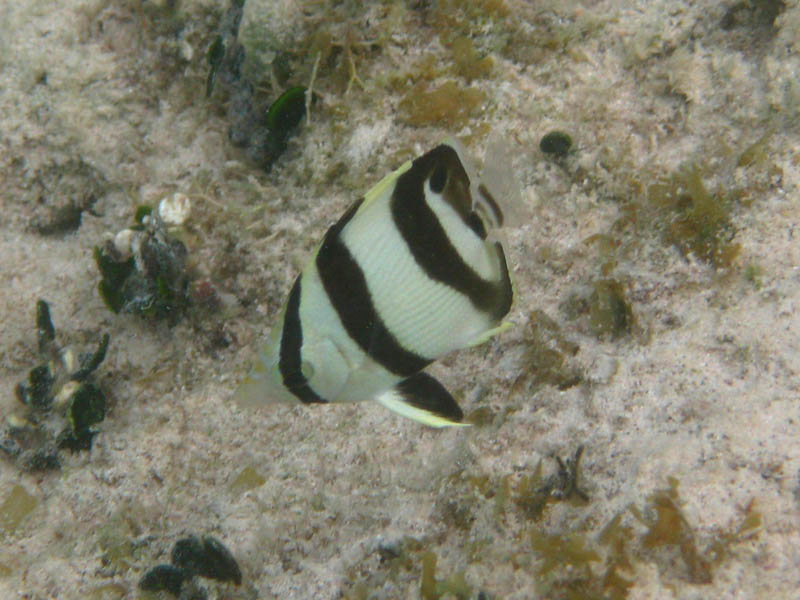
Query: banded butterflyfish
(410, 272)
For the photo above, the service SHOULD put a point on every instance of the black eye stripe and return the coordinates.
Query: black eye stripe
(438, 179)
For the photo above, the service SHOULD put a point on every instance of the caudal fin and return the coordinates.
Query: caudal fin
(252, 392)
(260, 386)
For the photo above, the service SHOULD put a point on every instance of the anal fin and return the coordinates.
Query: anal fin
(422, 398)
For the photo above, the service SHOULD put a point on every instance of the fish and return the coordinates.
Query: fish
(412, 271)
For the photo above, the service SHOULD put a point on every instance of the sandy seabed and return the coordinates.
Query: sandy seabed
(704, 389)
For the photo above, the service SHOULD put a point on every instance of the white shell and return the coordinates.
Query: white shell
(174, 210)
(123, 241)
(66, 392)
(69, 360)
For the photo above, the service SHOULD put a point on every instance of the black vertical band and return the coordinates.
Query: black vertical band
(290, 361)
(347, 290)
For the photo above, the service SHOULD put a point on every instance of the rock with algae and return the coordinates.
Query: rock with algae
(61, 403)
(144, 270)
(261, 133)
(192, 557)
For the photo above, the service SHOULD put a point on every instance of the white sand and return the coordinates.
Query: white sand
(706, 390)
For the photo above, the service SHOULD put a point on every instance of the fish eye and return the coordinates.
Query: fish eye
(438, 179)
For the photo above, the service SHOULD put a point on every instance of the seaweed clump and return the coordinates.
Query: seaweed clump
(698, 222)
(574, 565)
(433, 589)
(62, 402)
(668, 528)
(466, 60)
(448, 105)
(414, 561)
(534, 492)
(610, 313)
(143, 269)
(192, 557)
(548, 355)
(585, 561)
(669, 534)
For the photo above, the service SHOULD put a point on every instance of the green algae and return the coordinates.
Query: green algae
(534, 492)
(756, 154)
(44, 327)
(16, 506)
(215, 54)
(547, 358)
(115, 540)
(610, 313)
(698, 223)
(287, 111)
(90, 362)
(433, 589)
(38, 391)
(428, 589)
(616, 539)
(142, 211)
(447, 105)
(481, 416)
(466, 60)
(575, 565)
(669, 533)
(247, 479)
(206, 557)
(455, 18)
(163, 577)
(558, 551)
(192, 557)
(667, 527)
(457, 515)
(574, 560)
(114, 273)
(501, 498)
(87, 407)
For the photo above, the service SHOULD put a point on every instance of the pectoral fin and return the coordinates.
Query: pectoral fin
(422, 398)
(487, 335)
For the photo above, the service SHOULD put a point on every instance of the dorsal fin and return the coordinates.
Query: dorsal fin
(496, 193)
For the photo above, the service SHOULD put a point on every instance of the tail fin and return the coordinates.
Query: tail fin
(250, 393)
(260, 386)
